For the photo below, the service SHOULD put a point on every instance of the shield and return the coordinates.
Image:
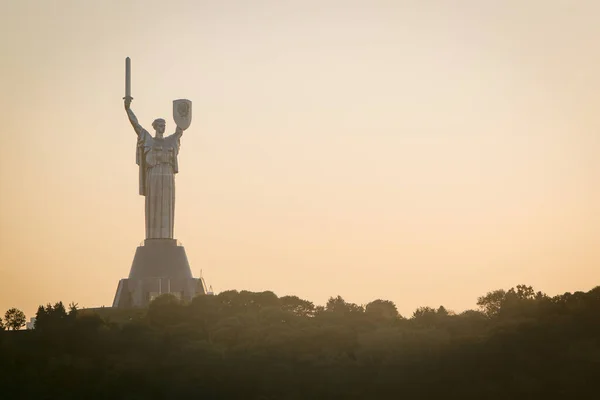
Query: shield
(182, 113)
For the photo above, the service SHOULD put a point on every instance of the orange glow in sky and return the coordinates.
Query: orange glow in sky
(423, 152)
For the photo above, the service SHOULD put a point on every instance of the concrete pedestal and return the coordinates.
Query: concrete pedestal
(159, 266)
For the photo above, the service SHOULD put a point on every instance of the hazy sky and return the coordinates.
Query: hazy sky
(420, 151)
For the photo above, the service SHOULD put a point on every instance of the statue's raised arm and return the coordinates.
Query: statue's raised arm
(178, 132)
(139, 130)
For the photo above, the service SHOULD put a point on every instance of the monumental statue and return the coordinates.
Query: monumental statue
(160, 265)
(157, 160)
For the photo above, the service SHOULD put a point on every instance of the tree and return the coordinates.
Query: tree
(382, 308)
(492, 302)
(524, 292)
(425, 316)
(165, 310)
(41, 316)
(73, 310)
(423, 311)
(59, 310)
(297, 306)
(444, 312)
(15, 319)
(522, 300)
(51, 317)
(339, 305)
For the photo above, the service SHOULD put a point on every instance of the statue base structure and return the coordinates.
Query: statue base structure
(159, 266)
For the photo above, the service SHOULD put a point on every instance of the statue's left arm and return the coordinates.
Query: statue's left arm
(177, 136)
(178, 132)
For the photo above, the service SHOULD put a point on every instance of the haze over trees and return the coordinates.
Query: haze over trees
(243, 345)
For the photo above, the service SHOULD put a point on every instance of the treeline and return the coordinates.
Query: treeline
(521, 344)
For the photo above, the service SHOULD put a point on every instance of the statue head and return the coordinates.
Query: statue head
(159, 127)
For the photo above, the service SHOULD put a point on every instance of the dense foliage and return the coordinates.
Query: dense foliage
(243, 345)
(13, 319)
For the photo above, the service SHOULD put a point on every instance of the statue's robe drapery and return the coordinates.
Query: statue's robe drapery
(157, 160)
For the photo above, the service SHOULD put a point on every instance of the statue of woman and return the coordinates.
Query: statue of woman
(157, 158)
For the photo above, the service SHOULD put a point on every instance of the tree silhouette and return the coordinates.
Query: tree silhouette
(340, 306)
(492, 302)
(297, 306)
(239, 344)
(14, 319)
(52, 317)
(382, 308)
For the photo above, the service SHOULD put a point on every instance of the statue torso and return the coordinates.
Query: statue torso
(161, 150)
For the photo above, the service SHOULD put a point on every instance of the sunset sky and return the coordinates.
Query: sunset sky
(420, 151)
